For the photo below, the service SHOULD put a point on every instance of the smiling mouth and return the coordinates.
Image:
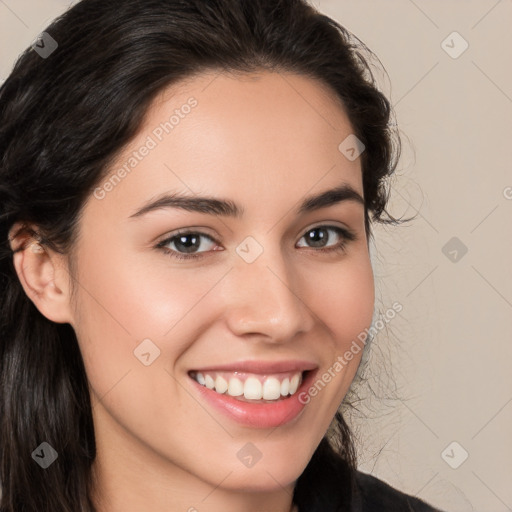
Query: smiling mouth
(251, 387)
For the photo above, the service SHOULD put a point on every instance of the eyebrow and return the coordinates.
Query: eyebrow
(227, 208)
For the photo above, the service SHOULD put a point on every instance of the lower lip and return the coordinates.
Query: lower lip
(259, 415)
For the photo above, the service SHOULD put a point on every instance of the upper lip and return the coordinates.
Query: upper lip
(262, 367)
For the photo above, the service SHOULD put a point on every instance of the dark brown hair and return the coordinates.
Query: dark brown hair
(63, 119)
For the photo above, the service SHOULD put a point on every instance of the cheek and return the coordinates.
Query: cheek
(123, 302)
(128, 301)
(345, 302)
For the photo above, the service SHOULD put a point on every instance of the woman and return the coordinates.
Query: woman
(187, 191)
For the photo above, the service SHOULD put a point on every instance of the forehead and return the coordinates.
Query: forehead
(260, 136)
(266, 106)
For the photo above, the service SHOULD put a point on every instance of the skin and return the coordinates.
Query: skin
(264, 141)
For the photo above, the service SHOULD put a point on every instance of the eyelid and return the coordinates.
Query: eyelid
(327, 224)
(169, 238)
(347, 235)
(186, 231)
(204, 231)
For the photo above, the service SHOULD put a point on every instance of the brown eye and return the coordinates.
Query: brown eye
(186, 244)
(319, 237)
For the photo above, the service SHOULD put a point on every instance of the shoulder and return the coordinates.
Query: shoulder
(374, 495)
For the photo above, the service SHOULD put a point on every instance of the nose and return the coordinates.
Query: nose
(266, 298)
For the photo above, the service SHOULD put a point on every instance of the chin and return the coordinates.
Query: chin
(268, 475)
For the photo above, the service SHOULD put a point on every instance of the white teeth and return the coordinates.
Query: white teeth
(253, 388)
(210, 383)
(236, 387)
(285, 386)
(271, 389)
(294, 384)
(221, 384)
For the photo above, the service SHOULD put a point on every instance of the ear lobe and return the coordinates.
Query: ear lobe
(45, 280)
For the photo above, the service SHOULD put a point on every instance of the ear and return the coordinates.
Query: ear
(43, 273)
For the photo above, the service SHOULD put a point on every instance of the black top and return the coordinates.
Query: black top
(330, 484)
(374, 495)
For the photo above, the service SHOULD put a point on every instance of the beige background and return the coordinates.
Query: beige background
(449, 350)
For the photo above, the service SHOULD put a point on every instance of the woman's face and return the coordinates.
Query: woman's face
(260, 303)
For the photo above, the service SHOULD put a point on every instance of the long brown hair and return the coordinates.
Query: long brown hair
(63, 118)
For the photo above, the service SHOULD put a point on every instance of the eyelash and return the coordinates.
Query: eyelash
(347, 236)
